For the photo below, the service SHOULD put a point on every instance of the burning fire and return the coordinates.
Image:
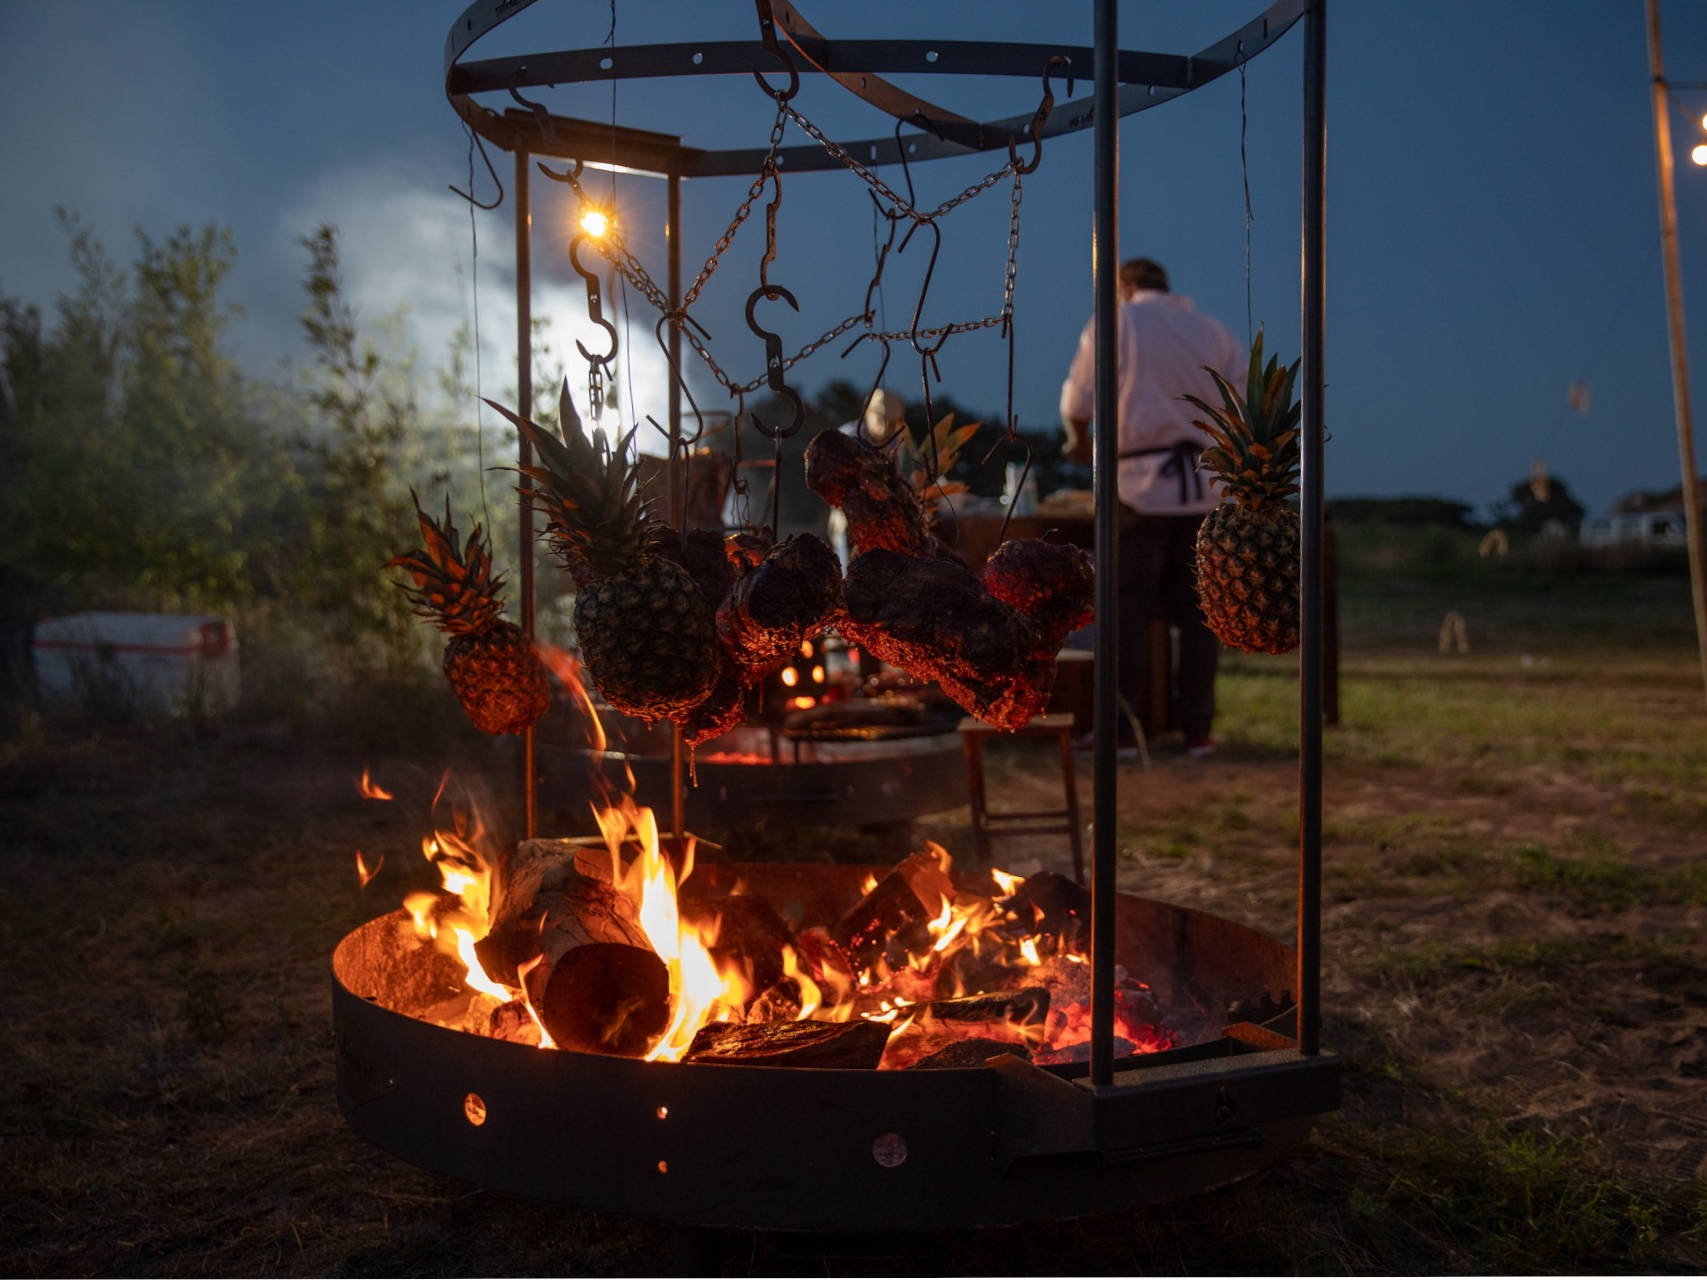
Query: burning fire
(906, 976)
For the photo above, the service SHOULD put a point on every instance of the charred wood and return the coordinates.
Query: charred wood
(1028, 1006)
(854, 1045)
(912, 893)
(968, 1053)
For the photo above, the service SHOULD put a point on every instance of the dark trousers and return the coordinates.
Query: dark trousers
(1158, 564)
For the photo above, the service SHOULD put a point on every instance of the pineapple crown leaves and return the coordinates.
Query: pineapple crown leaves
(945, 443)
(1254, 453)
(455, 588)
(589, 495)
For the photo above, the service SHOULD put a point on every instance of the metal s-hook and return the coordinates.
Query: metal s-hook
(541, 116)
(468, 195)
(687, 442)
(569, 177)
(1035, 129)
(767, 34)
(773, 360)
(925, 286)
(595, 311)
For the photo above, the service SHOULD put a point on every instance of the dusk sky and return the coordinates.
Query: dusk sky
(1492, 210)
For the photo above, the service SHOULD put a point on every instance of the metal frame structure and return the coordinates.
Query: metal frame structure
(1111, 1115)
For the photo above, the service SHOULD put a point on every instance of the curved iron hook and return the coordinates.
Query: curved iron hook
(882, 368)
(773, 359)
(767, 34)
(496, 181)
(570, 177)
(1035, 129)
(595, 311)
(541, 116)
(925, 286)
(675, 370)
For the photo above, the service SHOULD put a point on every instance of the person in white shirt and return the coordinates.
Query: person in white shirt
(1164, 346)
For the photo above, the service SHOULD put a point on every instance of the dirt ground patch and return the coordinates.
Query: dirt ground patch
(1515, 975)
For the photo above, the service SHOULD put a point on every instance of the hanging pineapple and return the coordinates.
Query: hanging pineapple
(1247, 548)
(644, 628)
(490, 663)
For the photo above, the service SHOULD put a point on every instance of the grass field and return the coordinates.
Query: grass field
(1515, 967)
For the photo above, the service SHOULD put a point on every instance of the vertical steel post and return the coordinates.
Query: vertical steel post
(1663, 160)
(524, 451)
(1106, 446)
(1313, 304)
(677, 484)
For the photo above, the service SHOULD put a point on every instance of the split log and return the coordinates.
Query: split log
(597, 985)
(856, 1045)
(1050, 903)
(968, 1053)
(1025, 1007)
(912, 893)
(524, 884)
(745, 931)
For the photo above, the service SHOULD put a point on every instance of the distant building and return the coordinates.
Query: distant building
(1637, 528)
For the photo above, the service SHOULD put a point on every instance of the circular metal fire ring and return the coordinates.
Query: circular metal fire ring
(829, 1150)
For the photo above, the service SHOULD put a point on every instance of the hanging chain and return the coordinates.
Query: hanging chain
(614, 248)
(746, 207)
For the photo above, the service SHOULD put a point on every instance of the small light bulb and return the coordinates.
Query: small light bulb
(1699, 155)
(595, 223)
(1704, 122)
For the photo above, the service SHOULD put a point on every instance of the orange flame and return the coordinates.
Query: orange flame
(372, 790)
(568, 672)
(362, 869)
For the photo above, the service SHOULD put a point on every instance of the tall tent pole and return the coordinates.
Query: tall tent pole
(1313, 305)
(1106, 447)
(1674, 328)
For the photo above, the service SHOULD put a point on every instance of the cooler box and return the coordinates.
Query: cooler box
(152, 661)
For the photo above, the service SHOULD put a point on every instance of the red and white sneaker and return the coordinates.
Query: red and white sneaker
(1200, 748)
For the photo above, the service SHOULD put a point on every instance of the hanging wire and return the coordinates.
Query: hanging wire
(1635, 282)
(1245, 176)
(474, 279)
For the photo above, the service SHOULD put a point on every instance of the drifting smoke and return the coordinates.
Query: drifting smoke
(407, 259)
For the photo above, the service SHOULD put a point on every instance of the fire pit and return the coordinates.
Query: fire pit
(780, 1147)
(781, 1046)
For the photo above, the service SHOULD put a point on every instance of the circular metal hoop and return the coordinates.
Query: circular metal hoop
(1146, 80)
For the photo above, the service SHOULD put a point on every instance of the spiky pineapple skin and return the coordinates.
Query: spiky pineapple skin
(498, 678)
(649, 640)
(1247, 577)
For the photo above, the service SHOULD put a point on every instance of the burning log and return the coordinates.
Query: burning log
(856, 1045)
(1050, 903)
(596, 984)
(912, 893)
(1025, 1007)
(746, 931)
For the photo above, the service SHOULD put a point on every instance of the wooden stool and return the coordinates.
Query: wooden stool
(986, 826)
